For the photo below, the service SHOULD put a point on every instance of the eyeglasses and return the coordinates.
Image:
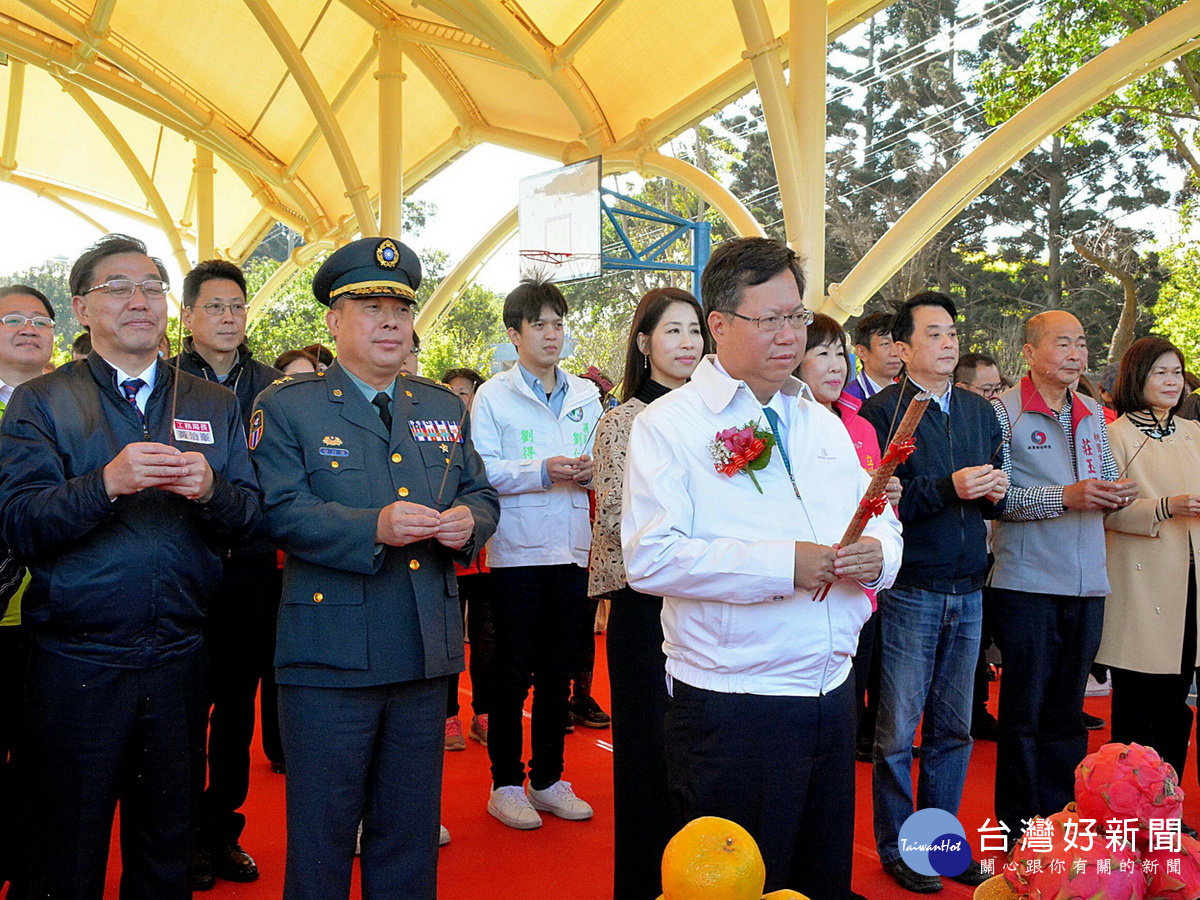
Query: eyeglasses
(218, 309)
(16, 320)
(123, 288)
(802, 319)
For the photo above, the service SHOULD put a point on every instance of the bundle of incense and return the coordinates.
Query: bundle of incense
(874, 501)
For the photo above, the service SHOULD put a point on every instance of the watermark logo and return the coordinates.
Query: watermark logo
(933, 842)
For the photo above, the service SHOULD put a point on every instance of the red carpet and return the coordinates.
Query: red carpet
(574, 859)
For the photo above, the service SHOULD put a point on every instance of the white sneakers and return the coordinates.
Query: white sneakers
(560, 800)
(515, 809)
(511, 806)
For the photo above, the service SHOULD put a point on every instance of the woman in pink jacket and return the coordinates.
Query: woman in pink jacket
(825, 369)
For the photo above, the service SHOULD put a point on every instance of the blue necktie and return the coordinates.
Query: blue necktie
(131, 386)
(773, 418)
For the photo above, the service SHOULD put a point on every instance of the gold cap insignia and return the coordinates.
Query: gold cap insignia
(331, 441)
(387, 254)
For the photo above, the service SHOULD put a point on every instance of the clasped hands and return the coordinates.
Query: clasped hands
(817, 565)
(403, 523)
(147, 464)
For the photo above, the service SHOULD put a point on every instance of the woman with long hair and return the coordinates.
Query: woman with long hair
(1149, 638)
(666, 342)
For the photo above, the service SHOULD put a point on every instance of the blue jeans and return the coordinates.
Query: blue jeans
(929, 643)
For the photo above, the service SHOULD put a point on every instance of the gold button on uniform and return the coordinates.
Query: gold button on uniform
(403, 492)
(337, 392)
(334, 464)
(396, 457)
(318, 597)
(408, 393)
(414, 565)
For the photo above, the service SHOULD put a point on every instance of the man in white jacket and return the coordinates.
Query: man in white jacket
(534, 426)
(760, 726)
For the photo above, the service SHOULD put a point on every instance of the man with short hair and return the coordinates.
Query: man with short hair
(760, 721)
(534, 426)
(978, 372)
(874, 346)
(373, 488)
(930, 618)
(26, 343)
(240, 631)
(1049, 580)
(120, 480)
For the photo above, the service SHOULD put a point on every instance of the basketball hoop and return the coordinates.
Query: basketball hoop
(559, 222)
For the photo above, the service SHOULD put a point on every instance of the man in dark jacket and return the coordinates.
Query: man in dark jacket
(930, 618)
(240, 631)
(119, 483)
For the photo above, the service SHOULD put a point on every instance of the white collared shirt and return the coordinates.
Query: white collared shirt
(723, 555)
(143, 394)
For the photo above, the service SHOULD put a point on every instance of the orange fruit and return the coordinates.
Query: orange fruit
(712, 859)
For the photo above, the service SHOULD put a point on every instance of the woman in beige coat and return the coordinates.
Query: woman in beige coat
(1149, 639)
(666, 341)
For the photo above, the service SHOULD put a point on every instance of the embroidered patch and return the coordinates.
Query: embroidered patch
(576, 415)
(387, 255)
(435, 430)
(332, 451)
(256, 428)
(194, 431)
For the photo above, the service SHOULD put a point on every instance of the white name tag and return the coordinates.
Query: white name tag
(196, 432)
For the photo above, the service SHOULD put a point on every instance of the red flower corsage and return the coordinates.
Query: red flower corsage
(744, 449)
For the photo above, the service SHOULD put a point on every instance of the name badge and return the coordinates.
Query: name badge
(333, 451)
(195, 432)
(435, 431)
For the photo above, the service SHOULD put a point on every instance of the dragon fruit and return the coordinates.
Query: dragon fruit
(1183, 885)
(1074, 874)
(1121, 781)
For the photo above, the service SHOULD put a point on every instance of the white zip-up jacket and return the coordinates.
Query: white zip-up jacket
(514, 432)
(722, 554)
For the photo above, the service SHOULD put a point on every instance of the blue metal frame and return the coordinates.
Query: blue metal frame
(647, 258)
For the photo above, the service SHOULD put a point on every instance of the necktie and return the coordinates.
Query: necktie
(383, 403)
(773, 418)
(131, 386)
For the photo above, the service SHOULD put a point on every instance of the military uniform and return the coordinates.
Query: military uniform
(367, 631)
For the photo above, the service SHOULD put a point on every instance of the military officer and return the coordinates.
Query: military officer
(373, 489)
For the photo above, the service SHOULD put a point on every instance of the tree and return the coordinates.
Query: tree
(1177, 312)
(52, 279)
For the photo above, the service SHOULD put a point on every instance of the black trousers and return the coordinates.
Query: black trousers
(1153, 709)
(475, 600)
(866, 681)
(1048, 643)
(369, 754)
(536, 612)
(781, 767)
(585, 661)
(98, 735)
(13, 778)
(980, 699)
(240, 634)
(644, 817)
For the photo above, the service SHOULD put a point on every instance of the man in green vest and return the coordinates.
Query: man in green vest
(26, 341)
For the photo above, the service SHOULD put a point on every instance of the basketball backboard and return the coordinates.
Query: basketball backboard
(559, 222)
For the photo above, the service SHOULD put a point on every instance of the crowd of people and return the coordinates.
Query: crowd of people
(203, 530)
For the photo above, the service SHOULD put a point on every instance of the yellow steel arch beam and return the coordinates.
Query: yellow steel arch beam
(135, 86)
(12, 117)
(508, 29)
(356, 189)
(426, 33)
(113, 135)
(42, 187)
(649, 164)
(343, 94)
(589, 26)
(288, 269)
(1150, 47)
(251, 236)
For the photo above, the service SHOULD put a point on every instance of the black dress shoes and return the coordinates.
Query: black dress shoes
(912, 881)
(234, 864)
(973, 876)
(201, 874)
